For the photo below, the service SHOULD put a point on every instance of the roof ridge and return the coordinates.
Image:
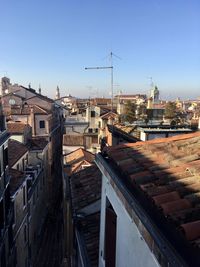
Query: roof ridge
(158, 140)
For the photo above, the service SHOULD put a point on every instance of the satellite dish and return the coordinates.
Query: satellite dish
(12, 101)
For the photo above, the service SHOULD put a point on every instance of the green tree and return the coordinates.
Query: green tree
(142, 111)
(170, 110)
(130, 109)
(197, 110)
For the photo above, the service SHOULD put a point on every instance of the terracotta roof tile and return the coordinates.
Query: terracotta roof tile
(191, 230)
(78, 155)
(77, 159)
(15, 151)
(37, 144)
(176, 205)
(85, 187)
(167, 172)
(17, 127)
(26, 110)
(74, 139)
(90, 228)
(164, 198)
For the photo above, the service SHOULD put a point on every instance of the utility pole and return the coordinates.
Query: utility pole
(103, 68)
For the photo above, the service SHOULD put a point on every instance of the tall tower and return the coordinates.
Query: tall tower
(155, 94)
(39, 90)
(4, 86)
(57, 93)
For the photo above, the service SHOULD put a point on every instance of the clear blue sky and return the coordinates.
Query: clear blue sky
(50, 43)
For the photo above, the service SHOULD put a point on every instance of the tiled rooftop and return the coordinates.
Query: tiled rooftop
(73, 139)
(85, 187)
(109, 115)
(17, 127)
(125, 128)
(15, 151)
(37, 143)
(78, 158)
(26, 110)
(165, 176)
(89, 227)
(124, 132)
(37, 94)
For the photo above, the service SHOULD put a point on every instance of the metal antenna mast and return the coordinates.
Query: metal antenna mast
(107, 67)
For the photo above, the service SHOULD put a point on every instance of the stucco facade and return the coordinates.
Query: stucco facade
(131, 248)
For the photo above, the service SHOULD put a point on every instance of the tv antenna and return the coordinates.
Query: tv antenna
(111, 73)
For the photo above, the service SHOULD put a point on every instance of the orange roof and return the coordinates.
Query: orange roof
(166, 173)
(109, 115)
(17, 127)
(77, 160)
(15, 151)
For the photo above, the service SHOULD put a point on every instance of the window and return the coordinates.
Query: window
(90, 130)
(92, 114)
(42, 124)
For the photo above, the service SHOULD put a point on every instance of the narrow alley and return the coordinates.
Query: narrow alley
(50, 251)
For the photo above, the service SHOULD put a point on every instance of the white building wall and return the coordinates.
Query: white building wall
(131, 249)
(143, 136)
(19, 164)
(19, 138)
